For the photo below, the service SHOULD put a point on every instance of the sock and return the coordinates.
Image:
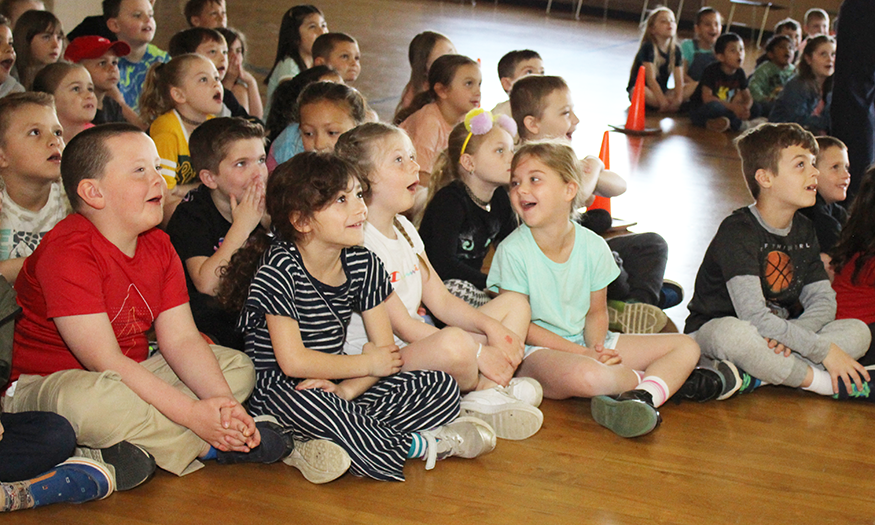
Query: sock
(656, 387)
(211, 454)
(418, 446)
(17, 496)
(821, 383)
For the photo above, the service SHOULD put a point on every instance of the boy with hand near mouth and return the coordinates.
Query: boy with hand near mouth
(33, 199)
(722, 100)
(101, 58)
(763, 305)
(133, 22)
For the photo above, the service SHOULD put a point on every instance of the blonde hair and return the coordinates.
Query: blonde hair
(647, 36)
(559, 157)
(358, 147)
(155, 100)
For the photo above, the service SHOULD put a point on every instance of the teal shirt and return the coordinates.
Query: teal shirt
(132, 75)
(768, 80)
(558, 293)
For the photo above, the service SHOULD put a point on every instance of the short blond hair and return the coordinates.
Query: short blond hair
(559, 157)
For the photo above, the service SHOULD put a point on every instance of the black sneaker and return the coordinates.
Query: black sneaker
(671, 294)
(630, 414)
(704, 384)
(735, 380)
(274, 446)
(133, 466)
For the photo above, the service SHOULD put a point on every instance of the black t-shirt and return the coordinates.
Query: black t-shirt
(110, 112)
(647, 53)
(457, 233)
(828, 220)
(742, 246)
(723, 86)
(197, 229)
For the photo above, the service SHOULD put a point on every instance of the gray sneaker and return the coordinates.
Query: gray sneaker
(319, 460)
(465, 437)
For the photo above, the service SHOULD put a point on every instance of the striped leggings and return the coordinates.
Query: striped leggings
(375, 428)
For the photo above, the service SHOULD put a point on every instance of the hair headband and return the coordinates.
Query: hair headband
(478, 121)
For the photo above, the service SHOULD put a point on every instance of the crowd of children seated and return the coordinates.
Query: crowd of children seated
(192, 285)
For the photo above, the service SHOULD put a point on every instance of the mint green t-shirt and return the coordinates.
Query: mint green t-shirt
(558, 293)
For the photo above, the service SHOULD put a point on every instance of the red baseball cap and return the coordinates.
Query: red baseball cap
(94, 47)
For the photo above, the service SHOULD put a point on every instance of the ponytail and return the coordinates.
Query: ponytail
(155, 99)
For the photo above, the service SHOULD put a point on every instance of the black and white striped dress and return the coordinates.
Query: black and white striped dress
(373, 428)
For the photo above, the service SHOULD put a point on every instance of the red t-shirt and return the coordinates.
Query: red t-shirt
(856, 300)
(76, 271)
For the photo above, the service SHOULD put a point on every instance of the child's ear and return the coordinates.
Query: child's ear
(177, 95)
(112, 25)
(764, 178)
(506, 84)
(209, 179)
(467, 162)
(441, 90)
(90, 193)
(300, 223)
(532, 125)
(4, 162)
(319, 61)
(571, 189)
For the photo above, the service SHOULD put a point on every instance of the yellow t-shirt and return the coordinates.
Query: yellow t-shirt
(171, 140)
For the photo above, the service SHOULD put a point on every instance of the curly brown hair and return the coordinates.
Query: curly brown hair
(299, 187)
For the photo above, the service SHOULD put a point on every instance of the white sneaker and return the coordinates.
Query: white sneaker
(527, 390)
(465, 437)
(319, 460)
(510, 417)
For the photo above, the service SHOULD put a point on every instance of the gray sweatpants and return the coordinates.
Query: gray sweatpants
(739, 342)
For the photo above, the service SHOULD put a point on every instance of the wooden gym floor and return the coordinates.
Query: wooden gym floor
(775, 456)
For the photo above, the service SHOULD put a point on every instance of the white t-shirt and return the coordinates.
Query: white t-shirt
(404, 269)
(21, 230)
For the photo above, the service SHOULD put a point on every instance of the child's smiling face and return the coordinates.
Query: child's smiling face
(834, 178)
(708, 29)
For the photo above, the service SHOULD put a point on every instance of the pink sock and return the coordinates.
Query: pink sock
(656, 387)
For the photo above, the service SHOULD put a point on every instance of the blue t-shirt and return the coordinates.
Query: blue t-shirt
(558, 292)
(132, 75)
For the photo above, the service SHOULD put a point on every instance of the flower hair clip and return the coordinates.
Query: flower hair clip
(479, 121)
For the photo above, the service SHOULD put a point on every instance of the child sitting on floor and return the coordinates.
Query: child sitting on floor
(100, 57)
(854, 266)
(722, 100)
(133, 22)
(513, 66)
(424, 49)
(563, 270)
(297, 289)
(217, 218)
(698, 51)
(33, 198)
(763, 304)
(96, 284)
(662, 59)
(806, 97)
(75, 102)
(300, 27)
(769, 78)
(340, 52)
(8, 82)
(828, 214)
(210, 14)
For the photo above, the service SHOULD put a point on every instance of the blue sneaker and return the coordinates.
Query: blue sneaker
(864, 394)
(275, 445)
(670, 295)
(76, 480)
(735, 380)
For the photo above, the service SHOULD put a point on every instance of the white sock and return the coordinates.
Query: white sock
(821, 383)
(640, 376)
(656, 387)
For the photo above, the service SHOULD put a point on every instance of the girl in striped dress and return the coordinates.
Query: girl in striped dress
(310, 275)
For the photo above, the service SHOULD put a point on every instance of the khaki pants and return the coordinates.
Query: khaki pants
(104, 411)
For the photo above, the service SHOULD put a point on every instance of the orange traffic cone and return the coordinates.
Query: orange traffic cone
(603, 203)
(635, 120)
